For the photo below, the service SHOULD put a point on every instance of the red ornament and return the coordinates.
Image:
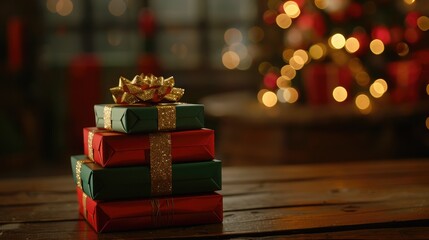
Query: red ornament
(382, 33)
(270, 80)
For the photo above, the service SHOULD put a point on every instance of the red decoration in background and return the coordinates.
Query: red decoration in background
(270, 80)
(83, 93)
(321, 79)
(411, 19)
(406, 81)
(14, 43)
(355, 10)
(312, 21)
(148, 63)
(146, 22)
(382, 33)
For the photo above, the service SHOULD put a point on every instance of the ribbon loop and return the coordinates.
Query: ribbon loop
(146, 88)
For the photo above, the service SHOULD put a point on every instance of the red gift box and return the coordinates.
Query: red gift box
(150, 212)
(113, 149)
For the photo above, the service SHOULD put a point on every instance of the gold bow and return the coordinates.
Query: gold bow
(146, 88)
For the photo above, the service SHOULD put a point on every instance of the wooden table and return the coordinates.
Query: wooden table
(361, 200)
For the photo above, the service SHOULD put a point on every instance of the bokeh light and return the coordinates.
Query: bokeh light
(288, 72)
(230, 59)
(296, 62)
(232, 35)
(117, 7)
(362, 78)
(287, 54)
(402, 49)
(352, 45)
(378, 88)
(256, 34)
(317, 51)
(423, 23)
(291, 8)
(302, 54)
(290, 95)
(376, 46)
(427, 122)
(362, 102)
(337, 41)
(340, 94)
(269, 99)
(283, 82)
(64, 7)
(283, 20)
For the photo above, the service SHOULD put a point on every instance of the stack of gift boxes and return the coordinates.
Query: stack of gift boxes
(148, 166)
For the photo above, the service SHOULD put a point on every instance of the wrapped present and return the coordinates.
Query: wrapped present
(112, 149)
(160, 178)
(144, 118)
(150, 213)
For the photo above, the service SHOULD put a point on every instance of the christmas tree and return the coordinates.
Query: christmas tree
(363, 52)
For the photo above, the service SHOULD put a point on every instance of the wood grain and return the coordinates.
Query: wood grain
(340, 201)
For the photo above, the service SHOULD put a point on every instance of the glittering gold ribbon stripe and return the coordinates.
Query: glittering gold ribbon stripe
(89, 144)
(160, 164)
(166, 117)
(78, 171)
(107, 116)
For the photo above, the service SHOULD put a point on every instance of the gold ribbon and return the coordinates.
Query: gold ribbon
(85, 212)
(162, 216)
(107, 117)
(146, 88)
(166, 117)
(89, 143)
(78, 171)
(160, 164)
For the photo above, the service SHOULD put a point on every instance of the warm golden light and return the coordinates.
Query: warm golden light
(383, 83)
(423, 23)
(376, 46)
(340, 94)
(362, 102)
(302, 54)
(352, 45)
(409, 2)
(283, 20)
(296, 62)
(260, 94)
(376, 90)
(402, 49)
(362, 78)
(117, 7)
(317, 51)
(287, 54)
(269, 99)
(232, 35)
(290, 95)
(321, 4)
(291, 9)
(283, 82)
(427, 89)
(256, 34)
(64, 7)
(427, 122)
(337, 41)
(230, 59)
(288, 72)
(51, 5)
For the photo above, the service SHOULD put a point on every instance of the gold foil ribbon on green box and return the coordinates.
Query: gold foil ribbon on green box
(160, 164)
(166, 116)
(78, 171)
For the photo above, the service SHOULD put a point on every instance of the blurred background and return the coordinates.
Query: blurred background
(283, 82)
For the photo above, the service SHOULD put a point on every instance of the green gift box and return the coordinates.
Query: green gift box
(140, 118)
(135, 182)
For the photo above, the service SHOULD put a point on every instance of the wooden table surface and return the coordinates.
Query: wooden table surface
(361, 200)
